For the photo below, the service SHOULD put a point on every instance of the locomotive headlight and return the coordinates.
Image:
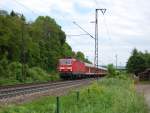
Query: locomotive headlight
(69, 68)
(62, 67)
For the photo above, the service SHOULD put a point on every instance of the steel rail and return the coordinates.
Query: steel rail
(18, 91)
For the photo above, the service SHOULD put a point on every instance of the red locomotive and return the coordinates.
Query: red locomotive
(73, 68)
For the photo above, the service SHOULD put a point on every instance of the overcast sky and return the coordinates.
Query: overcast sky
(125, 25)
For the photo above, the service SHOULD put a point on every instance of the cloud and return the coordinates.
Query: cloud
(125, 25)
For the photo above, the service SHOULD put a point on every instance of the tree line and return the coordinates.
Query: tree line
(38, 45)
(138, 62)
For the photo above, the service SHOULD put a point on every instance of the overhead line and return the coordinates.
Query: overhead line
(26, 7)
(83, 30)
(77, 35)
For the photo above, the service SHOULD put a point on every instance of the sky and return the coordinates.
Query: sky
(124, 26)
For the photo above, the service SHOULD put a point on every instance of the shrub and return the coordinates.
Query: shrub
(15, 71)
(8, 81)
(54, 76)
(3, 67)
(111, 70)
(37, 74)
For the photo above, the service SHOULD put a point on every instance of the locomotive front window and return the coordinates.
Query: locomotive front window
(65, 61)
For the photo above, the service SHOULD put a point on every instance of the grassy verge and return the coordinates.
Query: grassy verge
(109, 95)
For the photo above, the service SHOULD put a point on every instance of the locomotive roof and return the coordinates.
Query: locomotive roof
(86, 64)
(91, 65)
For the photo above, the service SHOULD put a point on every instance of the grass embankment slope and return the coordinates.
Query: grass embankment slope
(109, 95)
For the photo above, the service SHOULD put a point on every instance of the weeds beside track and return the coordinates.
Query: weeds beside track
(105, 96)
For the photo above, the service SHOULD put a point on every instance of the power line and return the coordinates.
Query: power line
(77, 35)
(26, 7)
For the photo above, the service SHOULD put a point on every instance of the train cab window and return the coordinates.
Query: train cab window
(65, 61)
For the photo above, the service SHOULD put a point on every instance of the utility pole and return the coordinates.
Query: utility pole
(116, 60)
(96, 35)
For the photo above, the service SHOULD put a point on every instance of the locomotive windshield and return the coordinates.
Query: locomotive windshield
(65, 61)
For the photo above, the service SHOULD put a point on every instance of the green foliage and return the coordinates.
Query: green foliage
(54, 76)
(138, 62)
(67, 50)
(15, 71)
(13, 13)
(80, 56)
(109, 95)
(10, 72)
(3, 67)
(13, 74)
(40, 42)
(36, 44)
(111, 70)
(87, 61)
(113, 73)
(8, 81)
(36, 74)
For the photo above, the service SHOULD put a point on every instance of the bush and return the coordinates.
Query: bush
(4, 67)
(54, 76)
(37, 75)
(111, 71)
(15, 71)
(12, 74)
(8, 81)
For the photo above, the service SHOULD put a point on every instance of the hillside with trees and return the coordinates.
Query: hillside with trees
(29, 51)
(138, 62)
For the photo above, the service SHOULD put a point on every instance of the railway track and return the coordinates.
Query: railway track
(8, 92)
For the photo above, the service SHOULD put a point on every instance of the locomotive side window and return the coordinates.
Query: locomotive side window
(65, 61)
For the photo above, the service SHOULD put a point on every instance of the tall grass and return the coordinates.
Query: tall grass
(109, 95)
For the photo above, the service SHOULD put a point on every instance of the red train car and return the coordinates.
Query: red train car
(73, 68)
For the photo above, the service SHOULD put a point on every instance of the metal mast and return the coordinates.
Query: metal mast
(96, 35)
(116, 60)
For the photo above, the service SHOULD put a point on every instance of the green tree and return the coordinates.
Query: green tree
(136, 63)
(111, 70)
(67, 50)
(13, 13)
(80, 56)
(36, 44)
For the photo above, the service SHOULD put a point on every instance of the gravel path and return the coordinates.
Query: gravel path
(144, 89)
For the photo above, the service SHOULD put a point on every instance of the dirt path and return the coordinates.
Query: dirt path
(144, 89)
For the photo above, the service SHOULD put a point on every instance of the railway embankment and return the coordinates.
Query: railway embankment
(108, 95)
(26, 93)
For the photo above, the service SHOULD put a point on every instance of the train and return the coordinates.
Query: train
(71, 68)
